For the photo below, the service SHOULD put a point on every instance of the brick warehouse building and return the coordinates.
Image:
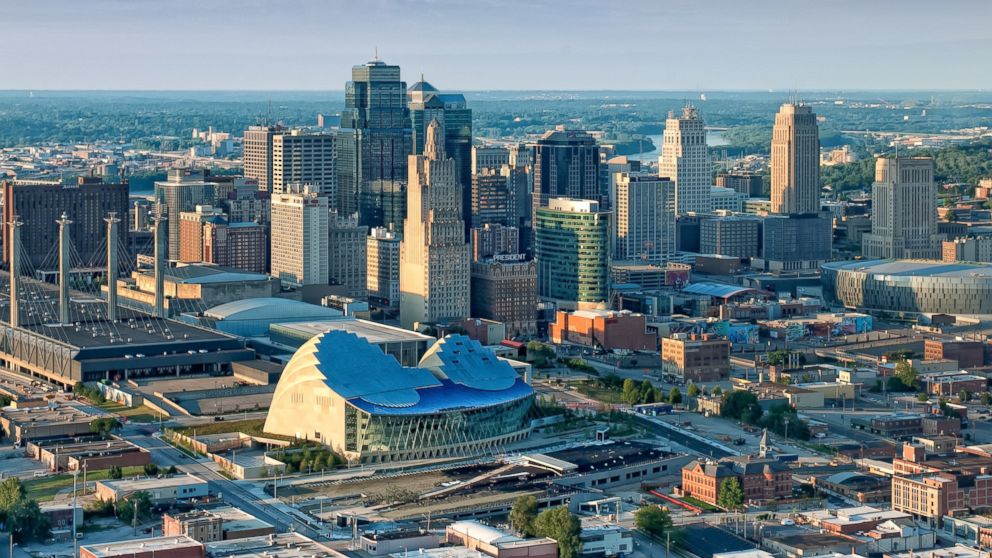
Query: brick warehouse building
(603, 329)
(762, 480)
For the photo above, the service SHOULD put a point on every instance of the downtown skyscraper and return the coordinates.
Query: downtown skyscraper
(374, 141)
(434, 258)
(566, 165)
(904, 210)
(685, 160)
(795, 161)
(426, 105)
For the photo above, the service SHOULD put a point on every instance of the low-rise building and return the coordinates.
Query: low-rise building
(695, 358)
(279, 545)
(162, 491)
(968, 354)
(217, 524)
(762, 480)
(496, 543)
(602, 539)
(154, 547)
(73, 454)
(603, 330)
(952, 383)
(384, 543)
(35, 423)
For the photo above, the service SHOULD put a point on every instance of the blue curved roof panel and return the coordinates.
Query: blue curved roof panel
(465, 361)
(448, 397)
(355, 368)
(269, 308)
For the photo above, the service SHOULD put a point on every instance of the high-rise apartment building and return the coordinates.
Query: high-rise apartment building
(685, 160)
(795, 161)
(183, 190)
(730, 235)
(904, 210)
(492, 240)
(489, 157)
(374, 141)
(257, 154)
(566, 164)
(794, 242)
(191, 231)
(383, 267)
(643, 218)
(299, 238)
(434, 268)
(243, 246)
(307, 158)
(572, 249)
(747, 183)
(247, 204)
(427, 104)
(347, 242)
(494, 196)
(504, 289)
(39, 205)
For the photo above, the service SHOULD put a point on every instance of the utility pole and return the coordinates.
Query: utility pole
(75, 545)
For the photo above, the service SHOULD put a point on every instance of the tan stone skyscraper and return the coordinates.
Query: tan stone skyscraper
(795, 161)
(685, 160)
(434, 257)
(904, 210)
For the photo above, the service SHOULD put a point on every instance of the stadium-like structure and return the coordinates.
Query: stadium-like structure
(344, 392)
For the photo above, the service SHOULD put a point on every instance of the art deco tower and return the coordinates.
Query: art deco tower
(795, 161)
(685, 160)
(434, 257)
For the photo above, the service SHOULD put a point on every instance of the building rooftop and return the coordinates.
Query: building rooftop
(716, 289)
(269, 308)
(60, 414)
(910, 268)
(372, 332)
(133, 485)
(151, 545)
(283, 545)
(481, 532)
(449, 377)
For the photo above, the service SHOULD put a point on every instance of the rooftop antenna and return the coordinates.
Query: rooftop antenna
(376, 57)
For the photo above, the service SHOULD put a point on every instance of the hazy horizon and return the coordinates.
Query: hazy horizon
(498, 45)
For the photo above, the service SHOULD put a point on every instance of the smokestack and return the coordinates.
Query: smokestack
(160, 250)
(112, 221)
(64, 223)
(15, 271)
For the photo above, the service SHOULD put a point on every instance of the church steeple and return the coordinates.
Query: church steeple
(434, 142)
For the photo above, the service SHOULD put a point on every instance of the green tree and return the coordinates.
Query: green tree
(675, 396)
(906, 373)
(139, 503)
(731, 495)
(717, 390)
(27, 522)
(631, 392)
(963, 395)
(693, 390)
(115, 473)
(151, 469)
(105, 426)
(522, 515)
(736, 402)
(560, 525)
(11, 493)
(922, 397)
(950, 216)
(986, 398)
(653, 520)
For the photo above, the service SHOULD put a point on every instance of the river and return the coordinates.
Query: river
(714, 138)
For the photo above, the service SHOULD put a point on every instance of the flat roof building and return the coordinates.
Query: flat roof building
(154, 547)
(164, 490)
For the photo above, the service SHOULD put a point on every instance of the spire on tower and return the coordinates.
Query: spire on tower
(434, 141)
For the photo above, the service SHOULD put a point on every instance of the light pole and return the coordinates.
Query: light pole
(75, 545)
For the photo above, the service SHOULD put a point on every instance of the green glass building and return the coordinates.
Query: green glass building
(572, 249)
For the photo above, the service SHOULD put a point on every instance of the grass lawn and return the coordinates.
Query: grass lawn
(599, 393)
(45, 488)
(700, 504)
(133, 414)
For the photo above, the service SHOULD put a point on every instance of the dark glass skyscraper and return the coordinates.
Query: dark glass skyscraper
(566, 164)
(451, 111)
(374, 141)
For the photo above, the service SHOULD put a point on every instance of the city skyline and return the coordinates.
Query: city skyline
(839, 48)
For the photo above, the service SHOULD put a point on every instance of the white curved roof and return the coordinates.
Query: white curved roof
(465, 361)
(269, 308)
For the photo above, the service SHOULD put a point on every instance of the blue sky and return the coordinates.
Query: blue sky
(498, 44)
